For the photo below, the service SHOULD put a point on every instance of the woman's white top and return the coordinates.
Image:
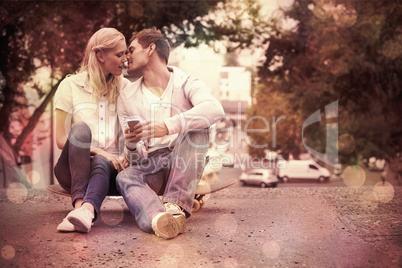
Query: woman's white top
(75, 96)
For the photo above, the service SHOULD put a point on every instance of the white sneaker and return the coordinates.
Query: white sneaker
(167, 226)
(174, 209)
(65, 226)
(81, 218)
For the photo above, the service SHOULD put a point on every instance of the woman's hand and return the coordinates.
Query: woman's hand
(124, 160)
(117, 163)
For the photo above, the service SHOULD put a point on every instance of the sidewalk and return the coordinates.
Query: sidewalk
(237, 227)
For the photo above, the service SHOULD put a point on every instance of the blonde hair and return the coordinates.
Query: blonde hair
(103, 40)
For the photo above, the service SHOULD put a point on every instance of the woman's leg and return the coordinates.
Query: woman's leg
(102, 173)
(102, 179)
(73, 167)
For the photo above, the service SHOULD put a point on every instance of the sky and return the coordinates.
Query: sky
(247, 57)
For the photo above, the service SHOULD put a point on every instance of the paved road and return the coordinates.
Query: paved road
(237, 227)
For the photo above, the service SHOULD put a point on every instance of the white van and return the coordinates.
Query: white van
(303, 169)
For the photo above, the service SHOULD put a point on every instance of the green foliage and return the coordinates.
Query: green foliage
(348, 51)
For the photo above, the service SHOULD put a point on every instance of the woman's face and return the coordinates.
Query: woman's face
(113, 61)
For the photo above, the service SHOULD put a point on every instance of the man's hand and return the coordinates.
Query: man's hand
(145, 131)
(135, 135)
(158, 129)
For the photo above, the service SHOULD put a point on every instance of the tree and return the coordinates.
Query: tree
(348, 51)
(274, 128)
(38, 34)
(231, 59)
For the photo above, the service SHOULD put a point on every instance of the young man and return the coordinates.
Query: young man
(167, 147)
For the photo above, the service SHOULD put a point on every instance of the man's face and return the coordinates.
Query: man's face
(137, 58)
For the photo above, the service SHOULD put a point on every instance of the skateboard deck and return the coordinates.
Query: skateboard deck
(57, 189)
(204, 188)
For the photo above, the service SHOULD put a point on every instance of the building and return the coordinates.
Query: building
(201, 62)
(235, 84)
(235, 91)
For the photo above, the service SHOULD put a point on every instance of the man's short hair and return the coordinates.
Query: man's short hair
(148, 36)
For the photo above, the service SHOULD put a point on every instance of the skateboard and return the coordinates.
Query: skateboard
(203, 188)
(57, 189)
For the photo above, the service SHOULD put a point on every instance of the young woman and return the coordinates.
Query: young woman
(87, 128)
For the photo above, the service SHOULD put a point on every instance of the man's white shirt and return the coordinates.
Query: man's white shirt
(158, 109)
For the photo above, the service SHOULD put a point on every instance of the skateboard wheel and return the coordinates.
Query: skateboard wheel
(202, 202)
(196, 205)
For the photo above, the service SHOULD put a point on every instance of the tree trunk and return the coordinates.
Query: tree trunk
(35, 117)
(5, 113)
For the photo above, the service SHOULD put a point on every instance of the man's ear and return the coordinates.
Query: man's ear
(99, 55)
(151, 49)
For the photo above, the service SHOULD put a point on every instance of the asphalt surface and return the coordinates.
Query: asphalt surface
(237, 227)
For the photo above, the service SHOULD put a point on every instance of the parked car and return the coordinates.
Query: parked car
(337, 170)
(261, 177)
(271, 156)
(375, 164)
(303, 169)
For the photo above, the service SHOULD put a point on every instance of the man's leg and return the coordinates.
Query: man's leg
(187, 166)
(140, 184)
